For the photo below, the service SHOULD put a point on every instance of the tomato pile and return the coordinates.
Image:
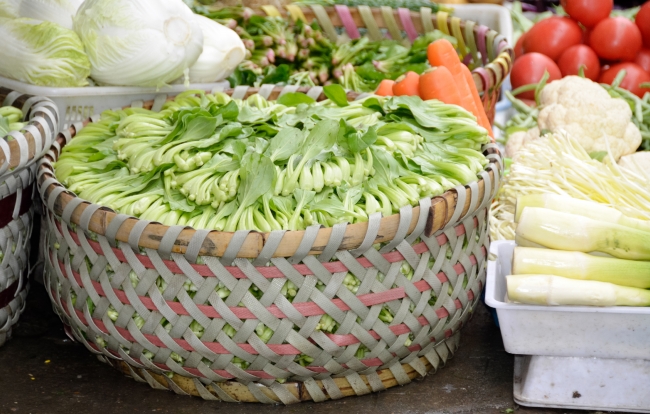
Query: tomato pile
(588, 40)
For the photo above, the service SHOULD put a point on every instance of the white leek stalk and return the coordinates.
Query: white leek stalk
(571, 232)
(577, 265)
(591, 209)
(60, 12)
(556, 290)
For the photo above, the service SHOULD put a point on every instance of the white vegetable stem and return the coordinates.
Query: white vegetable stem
(590, 209)
(138, 42)
(564, 231)
(577, 265)
(556, 290)
(223, 50)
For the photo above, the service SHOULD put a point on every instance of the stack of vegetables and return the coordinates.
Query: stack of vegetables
(72, 43)
(212, 162)
(10, 120)
(583, 36)
(559, 259)
(280, 52)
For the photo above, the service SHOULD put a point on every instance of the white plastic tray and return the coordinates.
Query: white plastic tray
(572, 331)
(78, 104)
(582, 383)
(493, 16)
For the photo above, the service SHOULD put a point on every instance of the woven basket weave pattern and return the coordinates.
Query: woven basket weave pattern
(18, 154)
(448, 266)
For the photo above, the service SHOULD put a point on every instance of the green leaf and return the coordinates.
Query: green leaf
(321, 137)
(280, 74)
(598, 155)
(359, 141)
(336, 94)
(295, 99)
(230, 111)
(257, 174)
(284, 144)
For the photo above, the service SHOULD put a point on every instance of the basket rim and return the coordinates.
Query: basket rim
(42, 119)
(59, 201)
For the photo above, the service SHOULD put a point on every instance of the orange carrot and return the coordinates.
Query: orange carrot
(442, 53)
(385, 88)
(407, 84)
(438, 83)
(481, 115)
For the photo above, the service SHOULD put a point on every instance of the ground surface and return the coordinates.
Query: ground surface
(477, 380)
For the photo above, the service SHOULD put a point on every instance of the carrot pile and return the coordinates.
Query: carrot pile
(449, 81)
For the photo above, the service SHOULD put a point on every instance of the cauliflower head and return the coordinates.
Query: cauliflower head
(517, 140)
(585, 110)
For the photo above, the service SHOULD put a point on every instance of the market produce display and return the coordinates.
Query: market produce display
(551, 265)
(113, 42)
(280, 52)
(584, 36)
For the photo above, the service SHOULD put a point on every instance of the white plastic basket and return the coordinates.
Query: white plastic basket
(570, 331)
(79, 104)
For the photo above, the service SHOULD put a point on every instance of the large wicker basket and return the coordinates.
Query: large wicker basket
(484, 50)
(19, 152)
(84, 238)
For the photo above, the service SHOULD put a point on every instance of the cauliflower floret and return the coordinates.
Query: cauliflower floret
(585, 110)
(517, 140)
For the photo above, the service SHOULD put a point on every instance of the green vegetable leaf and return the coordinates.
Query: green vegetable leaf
(295, 99)
(336, 94)
(321, 137)
(284, 144)
(359, 141)
(598, 155)
(257, 174)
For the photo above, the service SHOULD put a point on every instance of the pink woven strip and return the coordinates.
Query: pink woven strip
(480, 42)
(305, 308)
(270, 271)
(407, 23)
(280, 349)
(348, 21)
(485, 78)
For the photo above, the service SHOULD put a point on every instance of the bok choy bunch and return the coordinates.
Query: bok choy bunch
(212, 162)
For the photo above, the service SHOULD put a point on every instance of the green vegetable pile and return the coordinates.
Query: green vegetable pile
(300, 54)
(211, 162)
(10, 120)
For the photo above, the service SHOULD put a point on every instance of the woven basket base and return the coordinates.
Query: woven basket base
(234, 391)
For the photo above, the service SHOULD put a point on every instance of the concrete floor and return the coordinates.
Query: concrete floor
(477, 380)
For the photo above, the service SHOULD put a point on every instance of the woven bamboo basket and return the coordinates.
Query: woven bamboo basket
(19, 152)
(83, 238)
(484, 50)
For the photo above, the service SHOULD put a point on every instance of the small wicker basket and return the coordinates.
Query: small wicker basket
(19, 151)
(84, 238)
(484, 50)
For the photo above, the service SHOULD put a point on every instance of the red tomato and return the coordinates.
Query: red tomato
(588, 12)
(643, 23)
(575, 57)
(643, 59)
(519, 46)
(552, 36)
(634, 77)
(616, 38)
(529, 69)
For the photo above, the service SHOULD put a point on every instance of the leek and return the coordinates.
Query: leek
(571, 232)
(577, 265)
(584, 208)
(560, 291)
